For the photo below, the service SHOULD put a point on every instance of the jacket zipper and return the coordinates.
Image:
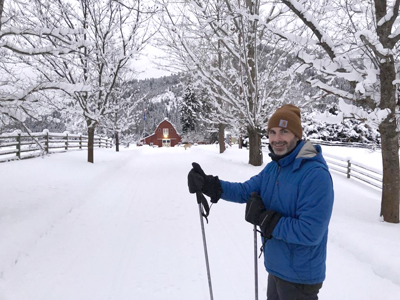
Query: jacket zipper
(277, 175)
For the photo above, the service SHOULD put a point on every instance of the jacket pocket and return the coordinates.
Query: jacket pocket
(301, 262)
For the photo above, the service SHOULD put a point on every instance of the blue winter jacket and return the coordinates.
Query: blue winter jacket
(299, 186)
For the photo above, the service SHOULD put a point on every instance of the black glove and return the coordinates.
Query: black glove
(208, 184)
(257, 214)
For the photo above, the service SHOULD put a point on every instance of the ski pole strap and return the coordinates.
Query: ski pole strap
(264, 242)
(203, 201)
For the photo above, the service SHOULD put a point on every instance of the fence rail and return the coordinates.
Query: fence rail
(355, 169)
(346, 144)
(22, 145)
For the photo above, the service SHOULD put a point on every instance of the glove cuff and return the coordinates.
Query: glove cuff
(212, 188)
(268, 221)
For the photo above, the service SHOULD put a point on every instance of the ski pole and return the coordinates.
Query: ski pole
(205, 251)
(255, 263)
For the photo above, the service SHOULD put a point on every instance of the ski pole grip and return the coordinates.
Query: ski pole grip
(198, 169)
(195, 181)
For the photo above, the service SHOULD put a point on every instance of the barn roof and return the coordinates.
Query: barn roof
(165, 119)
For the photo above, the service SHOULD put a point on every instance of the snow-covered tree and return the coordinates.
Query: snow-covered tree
(115, 33)
(193, 109)
(125, 112)
(348, 131)
(189, 108)
(218, 42)
(354, 42)
(24, 33)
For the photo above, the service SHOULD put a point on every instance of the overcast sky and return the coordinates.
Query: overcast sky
(146, 65)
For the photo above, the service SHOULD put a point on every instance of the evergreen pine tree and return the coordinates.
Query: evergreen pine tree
(188, 110)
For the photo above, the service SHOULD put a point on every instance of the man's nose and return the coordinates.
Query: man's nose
(278, 137)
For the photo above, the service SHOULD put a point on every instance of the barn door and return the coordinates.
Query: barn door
(166, 143)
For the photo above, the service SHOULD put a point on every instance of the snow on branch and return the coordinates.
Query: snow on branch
(324, 39)
(58, 33)
(390, 16)
(28, 95)
(62, 35)
(50, 50)
(339, 66)
(332, 90)
(372, 41)
(386, 18)
(299, 40)
(373, 118)
(376, 116)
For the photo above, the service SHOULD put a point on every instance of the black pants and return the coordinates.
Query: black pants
(279, 289)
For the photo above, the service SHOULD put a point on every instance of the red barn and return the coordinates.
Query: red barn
(164, 136)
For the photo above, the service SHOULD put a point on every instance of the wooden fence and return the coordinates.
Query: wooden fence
(23, 145)
(355, 169)
(346, 144)
(351, 168)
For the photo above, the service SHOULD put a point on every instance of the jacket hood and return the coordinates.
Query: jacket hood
(308, 151)
(304, 151)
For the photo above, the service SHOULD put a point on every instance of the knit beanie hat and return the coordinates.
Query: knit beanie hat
(288, 116)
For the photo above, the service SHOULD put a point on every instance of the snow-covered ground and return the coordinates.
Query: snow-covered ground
(126, 227)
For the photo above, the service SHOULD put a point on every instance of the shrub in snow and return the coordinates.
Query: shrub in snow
(348, 131)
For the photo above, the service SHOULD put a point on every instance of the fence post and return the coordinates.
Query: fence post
(80, 141)
(66, 141)
(348, 168)
(47, 143)
(19, 145)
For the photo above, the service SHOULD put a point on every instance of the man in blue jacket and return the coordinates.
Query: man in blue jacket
(291, 201)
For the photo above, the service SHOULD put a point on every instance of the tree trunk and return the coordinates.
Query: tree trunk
(391, 180)
(255, 153)
(221, 138)
(389, 137)
(116, 141)
(91, 143)
(390, 146)
(1, 10)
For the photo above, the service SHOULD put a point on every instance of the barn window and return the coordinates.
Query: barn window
(172, 130)
(159, 129)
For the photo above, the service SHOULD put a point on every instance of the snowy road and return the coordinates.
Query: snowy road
(127, 228)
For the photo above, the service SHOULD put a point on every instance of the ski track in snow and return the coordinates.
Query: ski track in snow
(127, 228)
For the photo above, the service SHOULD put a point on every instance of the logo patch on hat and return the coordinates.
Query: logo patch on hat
(283, 123)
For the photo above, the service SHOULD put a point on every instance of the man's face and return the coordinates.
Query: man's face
(282, 140)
